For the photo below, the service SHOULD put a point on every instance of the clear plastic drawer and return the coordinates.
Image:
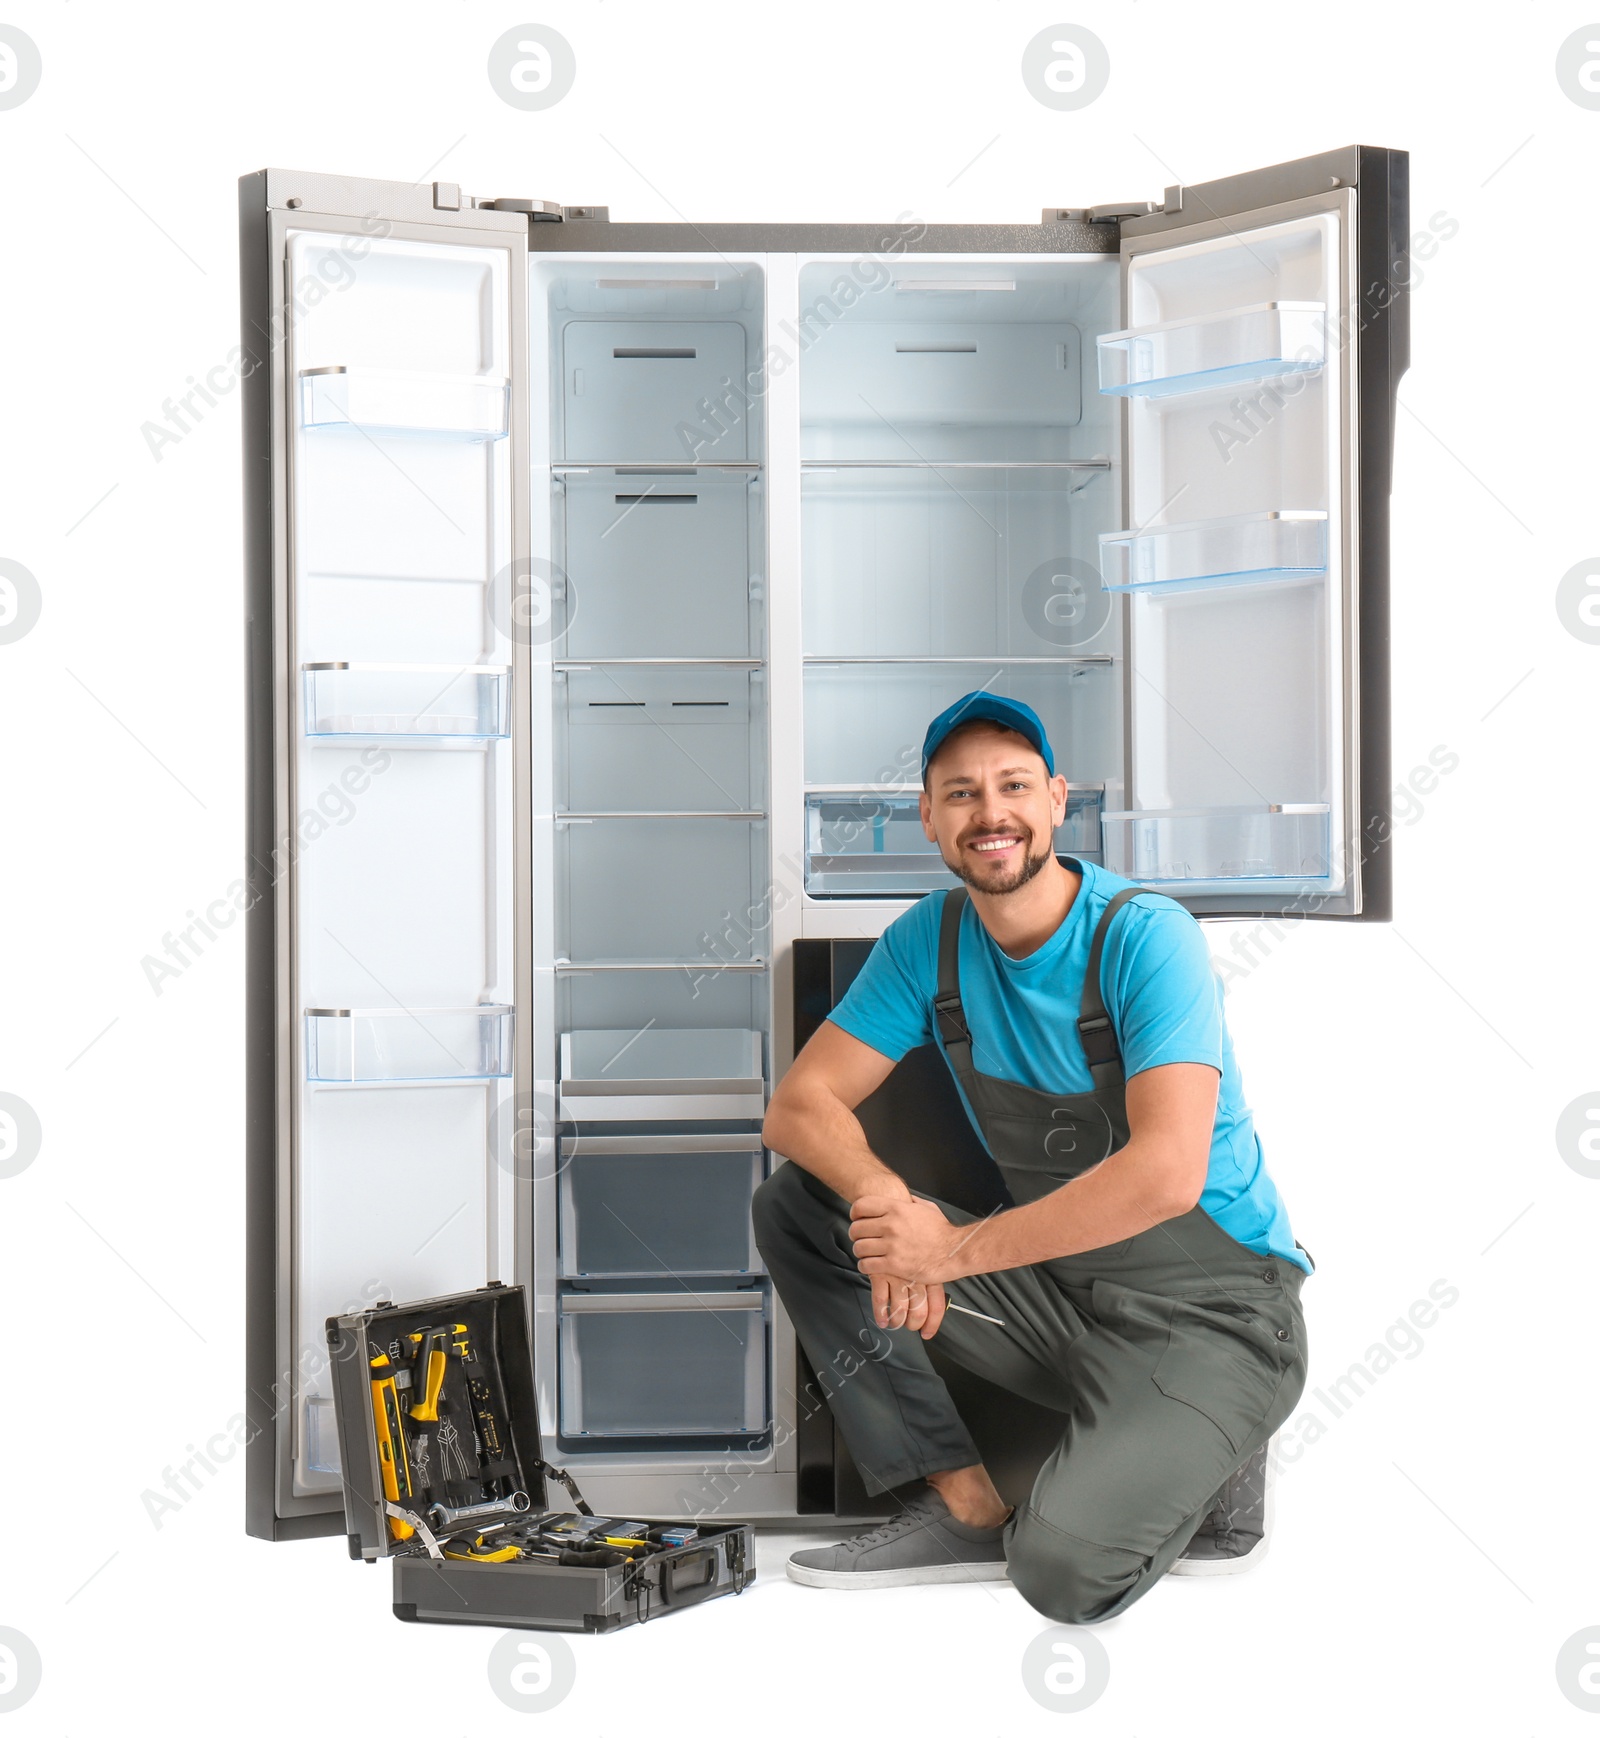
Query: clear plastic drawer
(658, 1206)
(663, 1364)
(638, 390)
(661, 1074)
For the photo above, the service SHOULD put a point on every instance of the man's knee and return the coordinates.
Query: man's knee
(774, 1205)
(1068, 1579)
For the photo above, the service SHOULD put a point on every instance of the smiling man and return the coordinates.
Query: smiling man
(1146, 1282)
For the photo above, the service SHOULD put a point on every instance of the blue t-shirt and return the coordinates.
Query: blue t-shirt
(1165, 1003)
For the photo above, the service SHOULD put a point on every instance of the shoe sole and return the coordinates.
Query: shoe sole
(932, 1574)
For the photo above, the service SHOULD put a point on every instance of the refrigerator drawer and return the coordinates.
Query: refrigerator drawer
(861, 842)
(663, 1364)
(661, 1074)
(660, 563)
(658, 1206)
(670, 889)
(641, 390)
(641, 737)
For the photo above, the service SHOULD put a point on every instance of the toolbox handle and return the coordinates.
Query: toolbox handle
(688, 1579)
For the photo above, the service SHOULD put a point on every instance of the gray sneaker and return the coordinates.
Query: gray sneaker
(923, 1542)
(1233, 1536)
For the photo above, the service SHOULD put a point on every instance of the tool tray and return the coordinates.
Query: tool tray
(452, 1377)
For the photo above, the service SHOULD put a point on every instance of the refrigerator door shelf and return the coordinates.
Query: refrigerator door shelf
(1269, 842)
(663, 1364)
(349, 1046)
(426, 700)
(865, 841)
(1176, 357)
(658, 1206)
(1285, 545)
(471, 407)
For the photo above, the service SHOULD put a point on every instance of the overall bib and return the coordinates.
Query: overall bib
(1172, 1355)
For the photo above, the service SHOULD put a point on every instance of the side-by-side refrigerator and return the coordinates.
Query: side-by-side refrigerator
(603, 578)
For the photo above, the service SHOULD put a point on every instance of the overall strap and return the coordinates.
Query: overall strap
(1095, 1031)
(947, 1010)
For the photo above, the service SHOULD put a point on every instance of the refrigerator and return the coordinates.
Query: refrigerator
(602, 579)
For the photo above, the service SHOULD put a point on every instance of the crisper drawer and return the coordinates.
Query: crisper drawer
(661, 1074)
(634, 389)
(658, 1206)
(663, 1364)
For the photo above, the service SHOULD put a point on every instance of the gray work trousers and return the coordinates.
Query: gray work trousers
(1172, 1357)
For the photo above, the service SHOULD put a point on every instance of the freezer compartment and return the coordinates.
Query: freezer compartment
(659, 563)
(655, 1073)
(472, 407)
(351, 1045)
(652, 737)
(864, 725)
(344, 699)
(864, 842)
(663, 1364)
(658, 1206)
(650, 389)
(1211, 350)
(671, 889)
(1280, 841)
(956, 561)
(1247, 549)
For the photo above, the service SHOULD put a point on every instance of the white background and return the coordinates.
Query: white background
(1436, 1546)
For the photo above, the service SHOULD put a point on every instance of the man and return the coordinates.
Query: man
(1146, 1282)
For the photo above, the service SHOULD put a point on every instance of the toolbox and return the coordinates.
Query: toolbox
(444, 1474)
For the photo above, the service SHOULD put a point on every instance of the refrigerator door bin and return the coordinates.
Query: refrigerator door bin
(1212, 350)
(349, 1046)
(343, 699)
(660, 1074)
(653, 737)
(663, 1364)
(658, 1206)
(667, 888)
(1248, 549)
(955, 561)
(639, 390)
(1277, 841)
(472, 407)
(864, 842)
(659, 563)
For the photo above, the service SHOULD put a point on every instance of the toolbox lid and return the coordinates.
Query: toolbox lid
(374, 1369)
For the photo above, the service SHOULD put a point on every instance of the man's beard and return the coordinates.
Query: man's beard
(1030, 867)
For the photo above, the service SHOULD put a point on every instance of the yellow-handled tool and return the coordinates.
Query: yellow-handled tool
(433, 1346)
(480, 1551)
(392, 1463)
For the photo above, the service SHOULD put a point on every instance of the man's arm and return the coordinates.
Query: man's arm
(811, 1120)
(1159, 1174)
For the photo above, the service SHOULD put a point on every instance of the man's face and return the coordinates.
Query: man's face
(991, 808)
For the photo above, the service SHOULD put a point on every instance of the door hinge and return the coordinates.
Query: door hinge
(538, 210)
(1114, 213)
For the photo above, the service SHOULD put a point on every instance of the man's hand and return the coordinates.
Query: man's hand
(904, 1303)
(908, 1238)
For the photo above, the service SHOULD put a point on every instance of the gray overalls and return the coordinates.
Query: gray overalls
(1173, 1355)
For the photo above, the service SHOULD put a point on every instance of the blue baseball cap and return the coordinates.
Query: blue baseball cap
(1013, 714)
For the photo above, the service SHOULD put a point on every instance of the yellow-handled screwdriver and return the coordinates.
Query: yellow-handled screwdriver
(391, 1442)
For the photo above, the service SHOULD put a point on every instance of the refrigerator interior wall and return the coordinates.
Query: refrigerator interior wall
(1234, 386)
(651, 759)
(400, 501)
(956, 475)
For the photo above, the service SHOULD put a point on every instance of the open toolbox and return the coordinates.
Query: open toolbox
(444, 1474)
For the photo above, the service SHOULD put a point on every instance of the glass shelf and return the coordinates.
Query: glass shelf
(427, 700)
(1285, 545)
(1262, 842)
(1194, 355)
(349, 1045)
(469, 407)
(823, 466)
(863, 841)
